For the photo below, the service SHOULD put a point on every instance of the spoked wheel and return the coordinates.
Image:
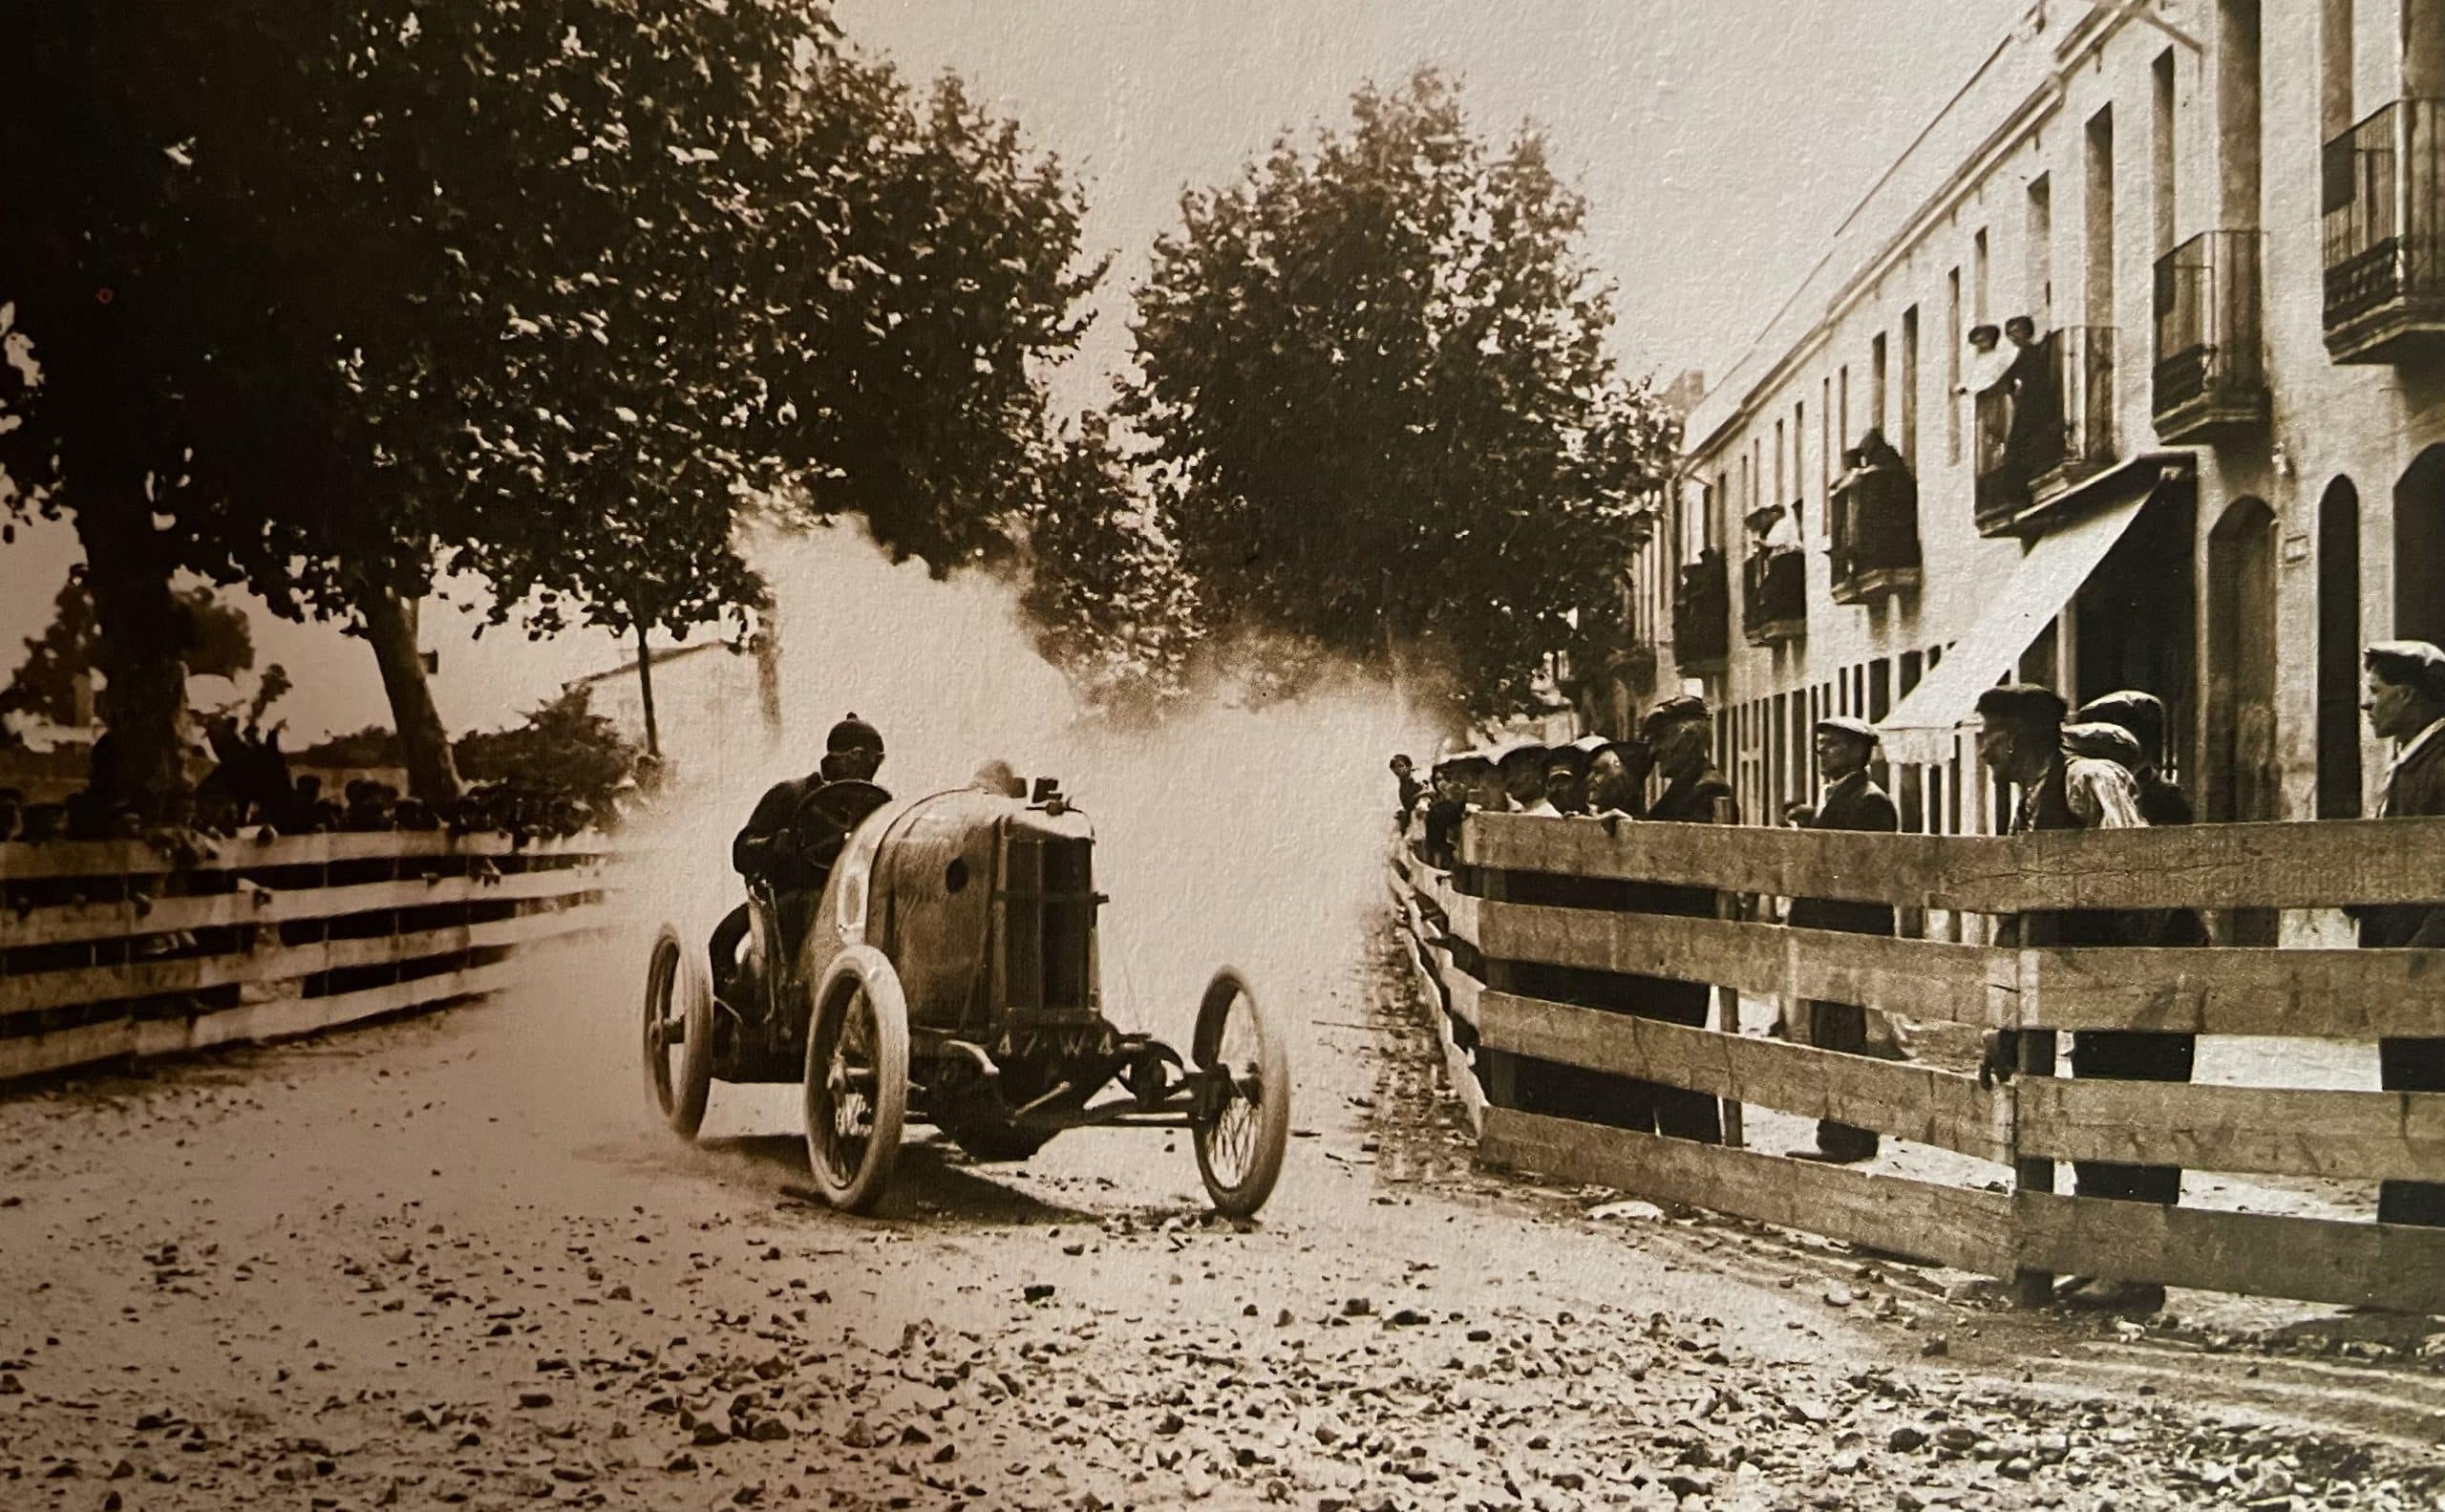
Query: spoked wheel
(1243, 1128)
(857, 1078)
(678, 1033)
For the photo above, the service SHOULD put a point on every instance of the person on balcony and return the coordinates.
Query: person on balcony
(1987, 362)
(2073, 778)
(1770, 530)
(1852, 801)
(2406, 704)
(1881, 505)
(2034, 443)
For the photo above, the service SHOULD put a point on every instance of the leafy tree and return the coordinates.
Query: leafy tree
(882, 306)
(1372, 377)
(321, 299)
(1104, 590)
(563, 747)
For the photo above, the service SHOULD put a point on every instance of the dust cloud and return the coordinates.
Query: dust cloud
(1227, 834)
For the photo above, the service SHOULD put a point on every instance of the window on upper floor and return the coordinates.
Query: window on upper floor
(1909, 394)
(1953, 339)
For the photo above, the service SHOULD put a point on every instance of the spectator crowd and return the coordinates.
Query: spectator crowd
(2099, 767)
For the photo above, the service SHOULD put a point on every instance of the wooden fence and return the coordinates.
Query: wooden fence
(1472, 948)
(112, 949)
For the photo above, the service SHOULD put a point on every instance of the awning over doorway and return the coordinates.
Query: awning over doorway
(1921, 728)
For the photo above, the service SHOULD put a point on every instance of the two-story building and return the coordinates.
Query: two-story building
(2226, 472)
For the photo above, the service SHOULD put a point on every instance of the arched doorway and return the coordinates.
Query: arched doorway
(2240, 777)
(2339, 643)
(2419, 549)
(2241, 768)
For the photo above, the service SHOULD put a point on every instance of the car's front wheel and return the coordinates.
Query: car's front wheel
(857, 1078)
(678, 1033)
(1243, 1123)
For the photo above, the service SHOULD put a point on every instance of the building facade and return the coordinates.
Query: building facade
(2225, 223)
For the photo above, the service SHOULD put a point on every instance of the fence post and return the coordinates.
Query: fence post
(2031, 1289)
(1501, 1082)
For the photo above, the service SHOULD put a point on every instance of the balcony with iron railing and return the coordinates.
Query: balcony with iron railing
(2383, 226)
(1702, 613)
(1873, 518)
(2211, 364)
(2046, 429)
(1773, 594)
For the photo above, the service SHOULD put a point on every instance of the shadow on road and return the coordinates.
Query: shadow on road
(933, 1183)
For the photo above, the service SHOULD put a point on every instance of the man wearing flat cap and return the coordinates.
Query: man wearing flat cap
(1852, 801)
(2142, 715)
(1567, 777)
(1681, 733)
(2406, 704)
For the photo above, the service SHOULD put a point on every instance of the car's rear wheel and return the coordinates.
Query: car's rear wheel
(678, 1033)
(1243, 1123)
(857, 1078)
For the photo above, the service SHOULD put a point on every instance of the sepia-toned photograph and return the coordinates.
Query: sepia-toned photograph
(1363, 756)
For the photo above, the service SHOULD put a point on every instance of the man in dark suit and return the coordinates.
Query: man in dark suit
(1681, 733)
(1851, 801)
(2406, 704)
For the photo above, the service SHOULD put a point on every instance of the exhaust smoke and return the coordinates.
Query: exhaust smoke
(1251, 835)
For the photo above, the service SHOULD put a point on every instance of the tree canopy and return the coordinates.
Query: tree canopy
(1380, 415)
(1105, 591)
(546, 291)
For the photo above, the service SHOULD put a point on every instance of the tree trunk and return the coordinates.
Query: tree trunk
(645, 692)
(391, 629)
(768, 668)
(140, 635)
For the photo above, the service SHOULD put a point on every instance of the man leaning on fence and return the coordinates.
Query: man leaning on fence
(2406, 704)
(2081, 778)
(1852, 801)
(1681, 733)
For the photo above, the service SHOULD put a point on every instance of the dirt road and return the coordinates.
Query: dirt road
(448, 1262)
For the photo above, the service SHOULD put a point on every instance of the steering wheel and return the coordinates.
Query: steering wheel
(829, 815)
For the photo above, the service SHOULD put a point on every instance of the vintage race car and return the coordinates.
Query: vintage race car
(946, 973)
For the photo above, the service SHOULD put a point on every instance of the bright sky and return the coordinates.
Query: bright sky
(1718, 142)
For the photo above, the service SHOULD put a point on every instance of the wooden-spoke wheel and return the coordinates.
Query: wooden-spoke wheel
(678, 1032)
(857, 1078)
(1243, 1123)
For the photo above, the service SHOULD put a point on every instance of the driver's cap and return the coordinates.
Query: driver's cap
(853, 733)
